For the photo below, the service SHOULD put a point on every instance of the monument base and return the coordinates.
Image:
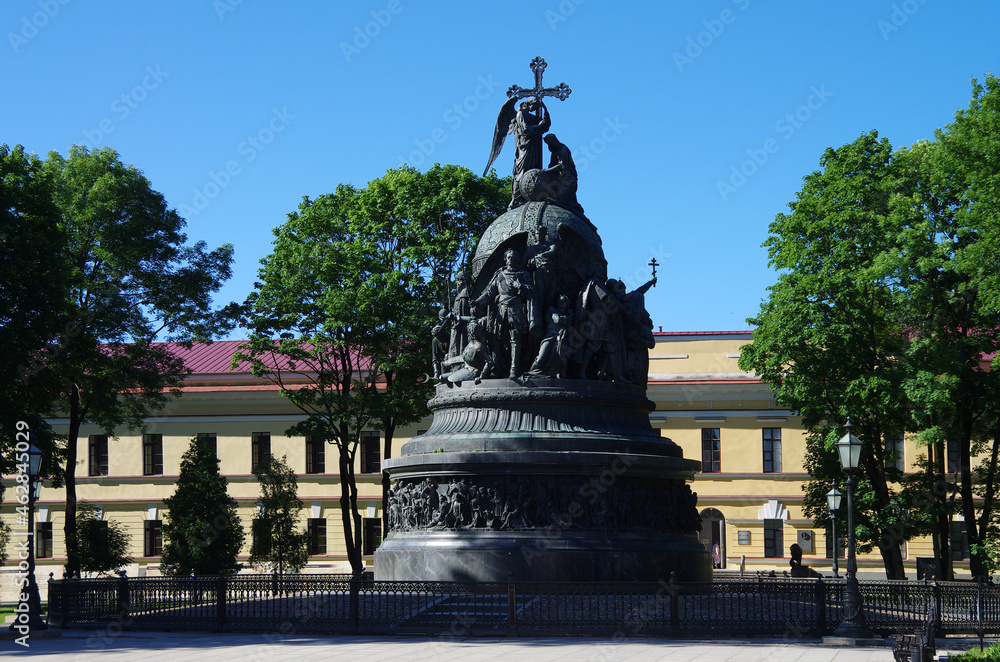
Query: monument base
(548, 480)
(556, 557)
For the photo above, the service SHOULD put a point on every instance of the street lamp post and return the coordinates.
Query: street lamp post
(30, 604)
(833, 499)
(853, 625)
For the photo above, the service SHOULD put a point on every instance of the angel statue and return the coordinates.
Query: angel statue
(528, 122)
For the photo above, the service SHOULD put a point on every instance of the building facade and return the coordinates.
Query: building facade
(749, 489)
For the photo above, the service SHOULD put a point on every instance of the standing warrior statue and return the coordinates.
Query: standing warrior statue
(506, 301)
(528, 123)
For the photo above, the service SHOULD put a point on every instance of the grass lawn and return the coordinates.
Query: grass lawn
(990, 653)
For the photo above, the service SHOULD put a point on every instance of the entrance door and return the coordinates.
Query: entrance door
(713, 533)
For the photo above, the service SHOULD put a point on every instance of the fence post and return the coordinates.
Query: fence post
(220, 601)
(66, 601)
(57, 611)
(820, 606)
(979, 608)
(355, 599)
(938, 632)
(675, 617)
(511, 608)
(123, 599)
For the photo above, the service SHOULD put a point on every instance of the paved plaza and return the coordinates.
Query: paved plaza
(169, 647)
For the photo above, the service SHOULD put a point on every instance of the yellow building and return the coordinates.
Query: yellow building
(749, 492)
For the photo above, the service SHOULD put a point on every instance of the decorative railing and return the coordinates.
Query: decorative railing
(335, 603)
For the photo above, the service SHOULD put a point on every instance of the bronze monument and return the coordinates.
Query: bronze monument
(540, 463)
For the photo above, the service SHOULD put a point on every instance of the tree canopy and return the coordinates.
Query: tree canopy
(826, 339)
(34, 290)
(885, 311)
(340, 317)
(132, 280)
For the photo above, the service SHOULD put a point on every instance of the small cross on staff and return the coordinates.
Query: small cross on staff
(653, 263)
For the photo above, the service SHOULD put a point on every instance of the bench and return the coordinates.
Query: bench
(916, 645)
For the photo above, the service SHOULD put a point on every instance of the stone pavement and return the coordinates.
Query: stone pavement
(172, 646)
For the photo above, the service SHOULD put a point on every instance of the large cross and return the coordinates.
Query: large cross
(560, 91)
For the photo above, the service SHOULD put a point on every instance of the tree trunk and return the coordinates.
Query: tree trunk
(965, 416)
(72, 566)
(389, 426)
(941, 533)
(348, 506)
(890, 539)
(892, 558)
(989, 499)
(357, 564)
(976, 565)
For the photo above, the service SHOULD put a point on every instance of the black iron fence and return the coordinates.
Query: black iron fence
(335, 603)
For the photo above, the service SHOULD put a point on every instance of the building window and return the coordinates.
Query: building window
(772, 450)
(261, 545)
(101, 533)
(152, 537)
(261, 449)
(959, 542)
(98, 465)
(711, 456)
(211, 440)
(317, 535)
(371, 460)
(43, 540)
(315, 455)
(953, 458)
(371, 535)
(152, 454)
(773, 540)
(894, 455)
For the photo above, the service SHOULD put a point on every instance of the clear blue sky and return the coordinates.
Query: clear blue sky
(670, 100)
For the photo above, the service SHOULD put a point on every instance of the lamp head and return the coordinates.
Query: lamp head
(849, 448)
(833, 499)
(34, 460)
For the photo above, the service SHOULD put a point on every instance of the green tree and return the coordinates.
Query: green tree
(277, 540)
(827, 339)
(949, 270)
(132, 279)
(34, 288)
(340, 317)
(444, 211)
(202, 532)
(104, 543)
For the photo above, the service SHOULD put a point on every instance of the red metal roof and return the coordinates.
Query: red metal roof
(208, 358)
(216, 357)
